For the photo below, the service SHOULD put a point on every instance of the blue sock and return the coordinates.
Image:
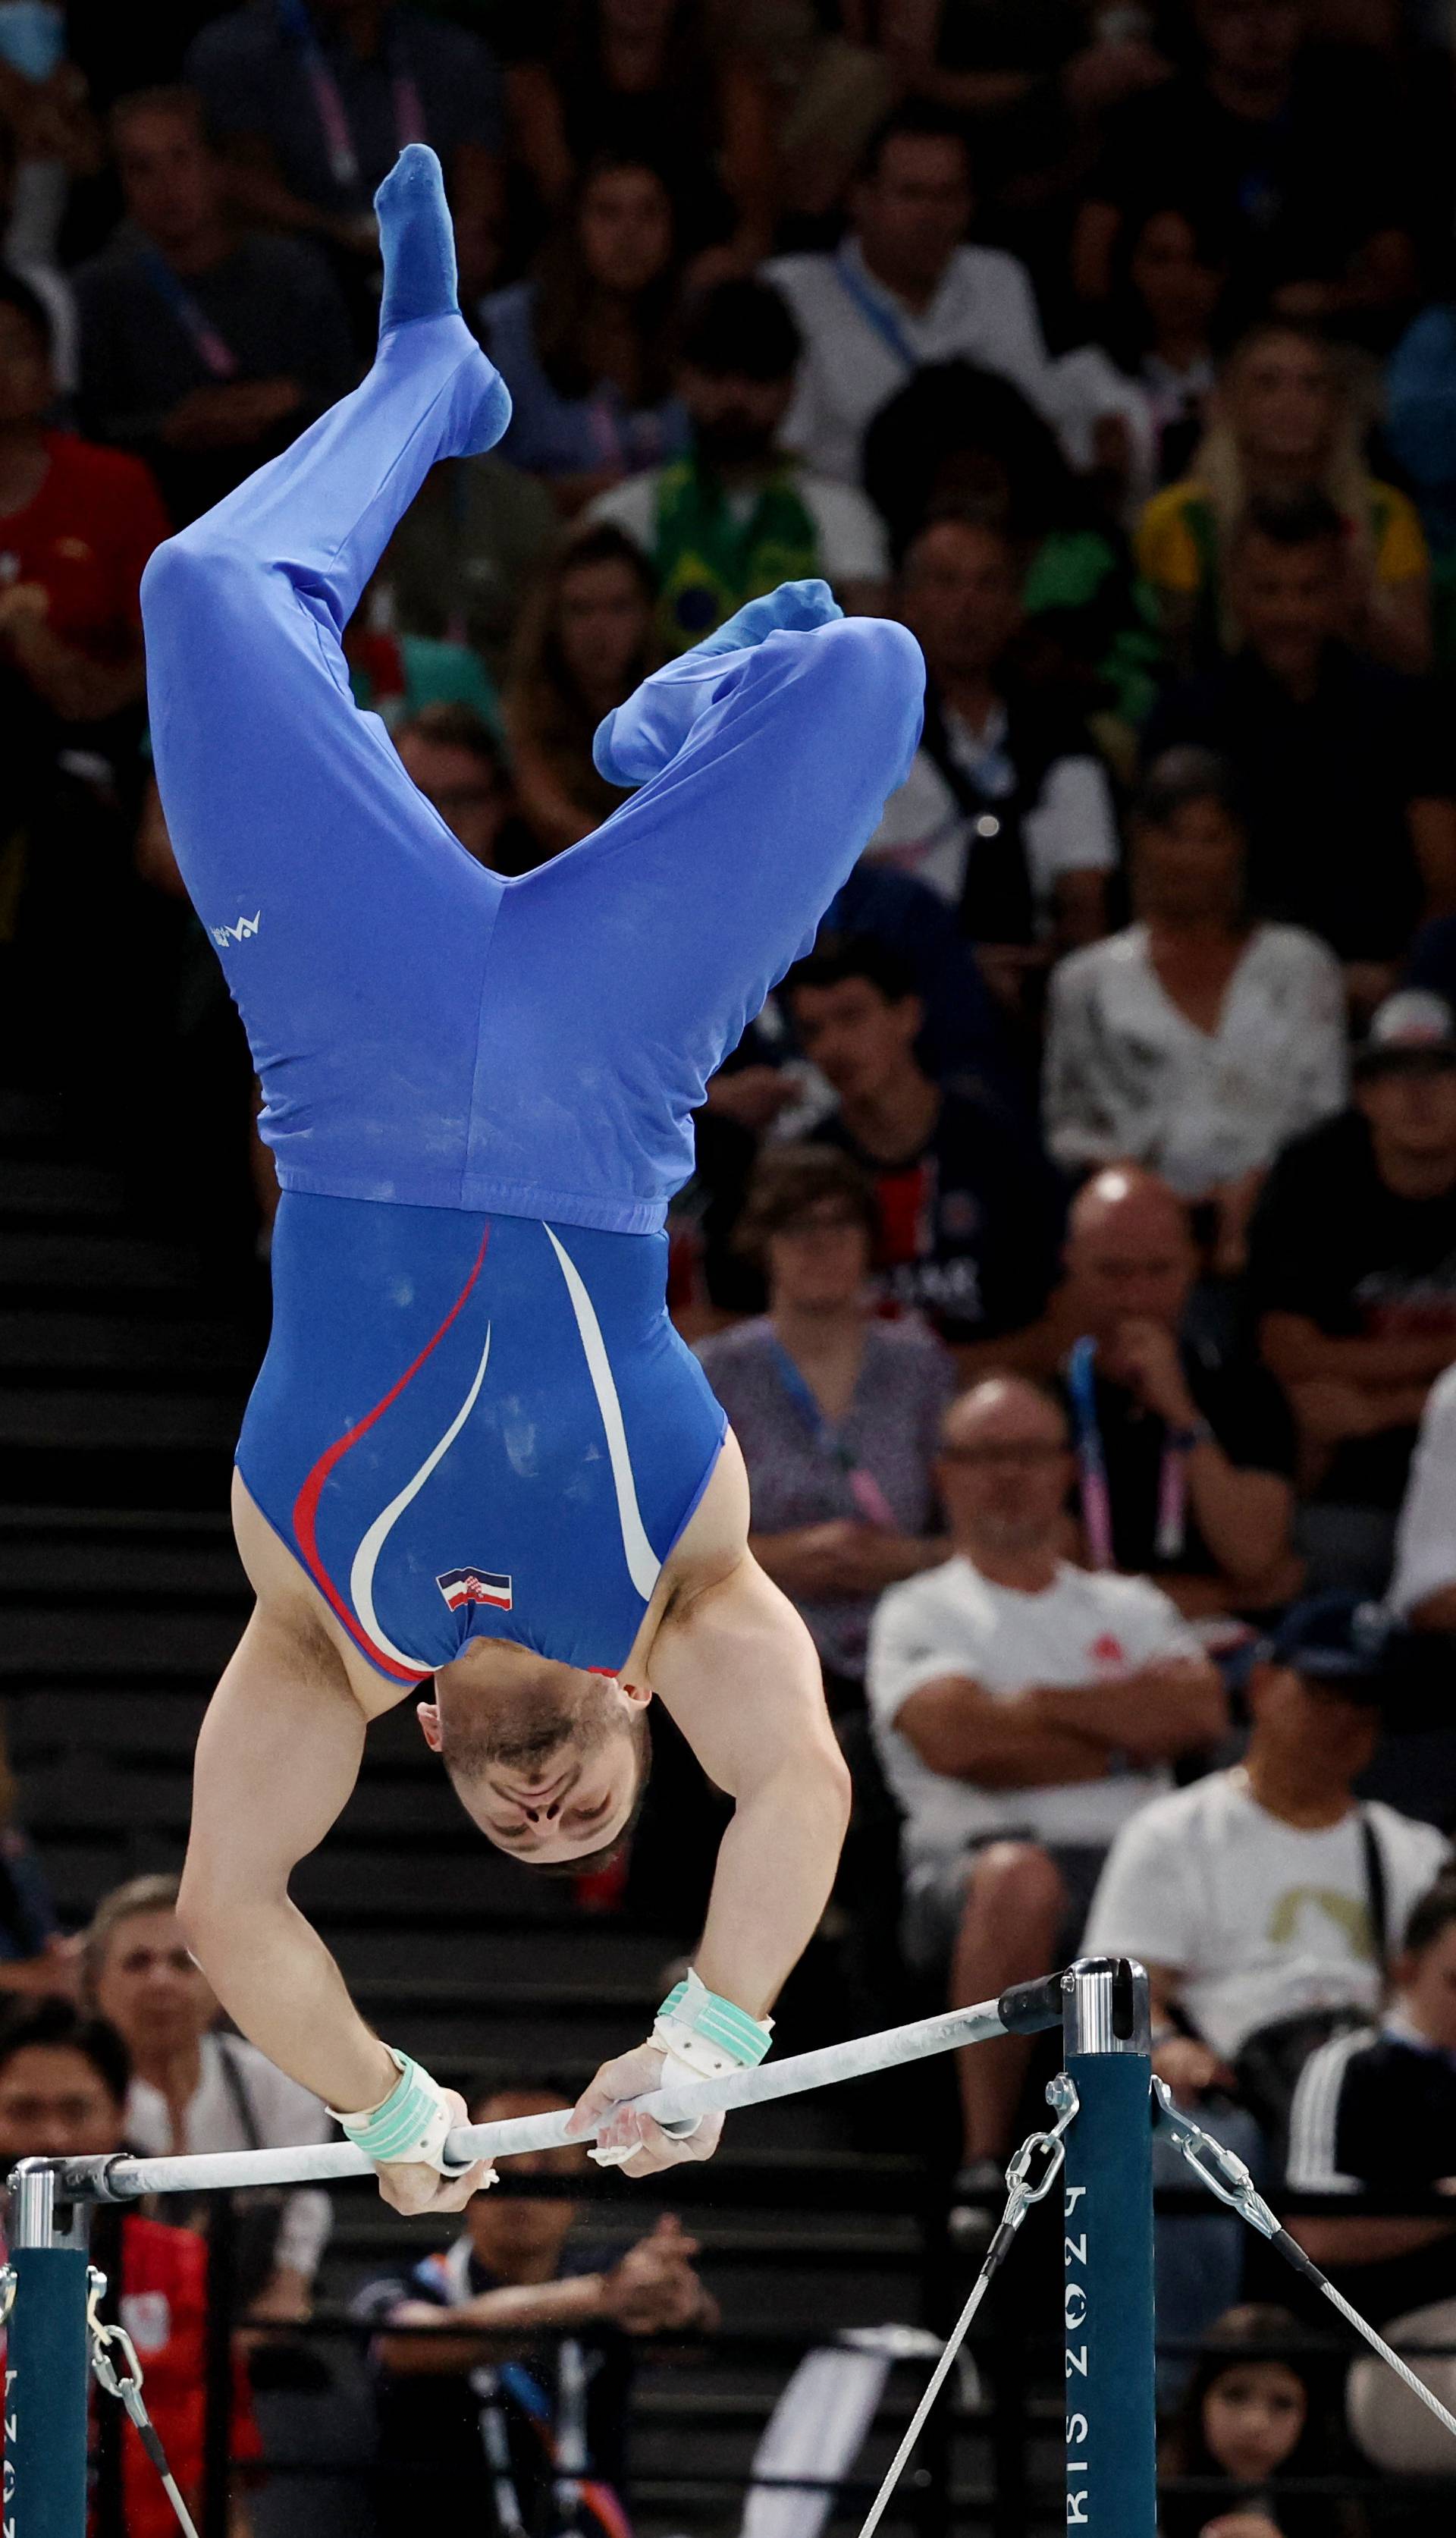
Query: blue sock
(795, 606)
(417, 241)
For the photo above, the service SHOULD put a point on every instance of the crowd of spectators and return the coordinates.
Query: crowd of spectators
(1072, 1243)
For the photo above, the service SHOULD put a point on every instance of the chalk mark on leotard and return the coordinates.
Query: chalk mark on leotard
(366, 1558)
(643, 1564)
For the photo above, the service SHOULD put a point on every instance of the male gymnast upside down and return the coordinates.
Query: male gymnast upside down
(476, 1449)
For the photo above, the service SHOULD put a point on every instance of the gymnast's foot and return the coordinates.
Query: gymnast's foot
(638, 738)
(418, 243)
(795, 608)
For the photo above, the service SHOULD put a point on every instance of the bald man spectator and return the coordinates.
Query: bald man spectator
(203, 349)
(1023, 1710)
(1194, 1436)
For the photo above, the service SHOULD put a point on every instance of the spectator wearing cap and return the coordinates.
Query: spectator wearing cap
(969, 1210)
(1353, 1275)
(1266, 1900)
(738, 514)
(837, 1410)
(1347, 768)
(204, 350)
(1185, 1446)
(1007, 810)
(311, 101)
(1024, 1709)
(1199, 1040)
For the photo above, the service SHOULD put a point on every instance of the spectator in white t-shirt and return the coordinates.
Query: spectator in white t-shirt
(195, 2090)
(1267, 1902)
(741, 513)
(1023, 1710)
(903, 289)
(1007, 812)
(1424, 1589)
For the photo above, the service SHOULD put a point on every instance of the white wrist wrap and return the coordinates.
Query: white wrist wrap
(712, 2035)
(410, 2126)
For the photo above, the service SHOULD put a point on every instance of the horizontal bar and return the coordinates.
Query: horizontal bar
(119, 2179)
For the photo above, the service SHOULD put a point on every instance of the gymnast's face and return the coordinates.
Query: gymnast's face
(545, 1759)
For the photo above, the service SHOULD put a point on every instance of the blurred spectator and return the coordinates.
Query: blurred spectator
(35, 1955)
(838, 1411)
(649, 80)
(1267, 1902)
(33, 260)
(77, 524)
(1293, 149)
(584, 641)
(1169, 279)
(1250, 2422)
(1376, 2108)
(396, 674)
(969, 1213)
(195, 2090)
(1423, 1591)
(1283, 420)
(461, 562)
(63, 2094)
(1346, 769)
(584, 348)
(59, 152)
(737, 515)
(202, 349)
(1199, 1040)
(1352, 1269)
(903, 289)
(494, 2442)
(1007, 810)
(312, 100)
(1024, 1709)
(960, 439)
(457, 763)
(1184, 1442)
(1419, 424)
(830, 86)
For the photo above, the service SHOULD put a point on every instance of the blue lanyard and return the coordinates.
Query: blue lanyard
(211, 347)
(874, 311)
(1091, 1465)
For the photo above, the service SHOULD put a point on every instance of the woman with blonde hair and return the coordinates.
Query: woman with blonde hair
(1285, 416)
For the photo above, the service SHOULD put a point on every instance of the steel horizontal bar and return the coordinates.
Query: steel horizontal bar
(120, 2180)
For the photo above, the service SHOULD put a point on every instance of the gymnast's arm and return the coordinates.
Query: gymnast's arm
(277, 1761)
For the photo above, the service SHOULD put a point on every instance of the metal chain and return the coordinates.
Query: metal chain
(1225, 2174)
(1022, 2193)
(7, 2295)
(126, 2385)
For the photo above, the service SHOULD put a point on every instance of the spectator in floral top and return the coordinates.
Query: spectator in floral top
(838, 1412)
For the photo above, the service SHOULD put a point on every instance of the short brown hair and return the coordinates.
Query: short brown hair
(157, 1894)
(787, 1181)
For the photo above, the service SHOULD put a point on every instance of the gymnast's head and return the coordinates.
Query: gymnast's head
(551, 1761)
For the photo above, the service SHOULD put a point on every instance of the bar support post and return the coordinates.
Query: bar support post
(1107, 2255)
(48, 2369)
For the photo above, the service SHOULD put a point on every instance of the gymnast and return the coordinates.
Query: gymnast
(476, 1449)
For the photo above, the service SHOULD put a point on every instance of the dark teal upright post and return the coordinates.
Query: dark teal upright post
(1107, 2255)
(47, 2373)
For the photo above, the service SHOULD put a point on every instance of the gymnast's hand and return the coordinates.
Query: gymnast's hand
(412, 2187)
(650, 2148)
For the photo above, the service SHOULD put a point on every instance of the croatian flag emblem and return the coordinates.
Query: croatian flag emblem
(475, 1586)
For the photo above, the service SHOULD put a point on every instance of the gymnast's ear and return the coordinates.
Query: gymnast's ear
(638, 1693)
(428, 1713)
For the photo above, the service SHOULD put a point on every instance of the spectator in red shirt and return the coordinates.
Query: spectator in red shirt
(77, 525)
(64, 2084)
